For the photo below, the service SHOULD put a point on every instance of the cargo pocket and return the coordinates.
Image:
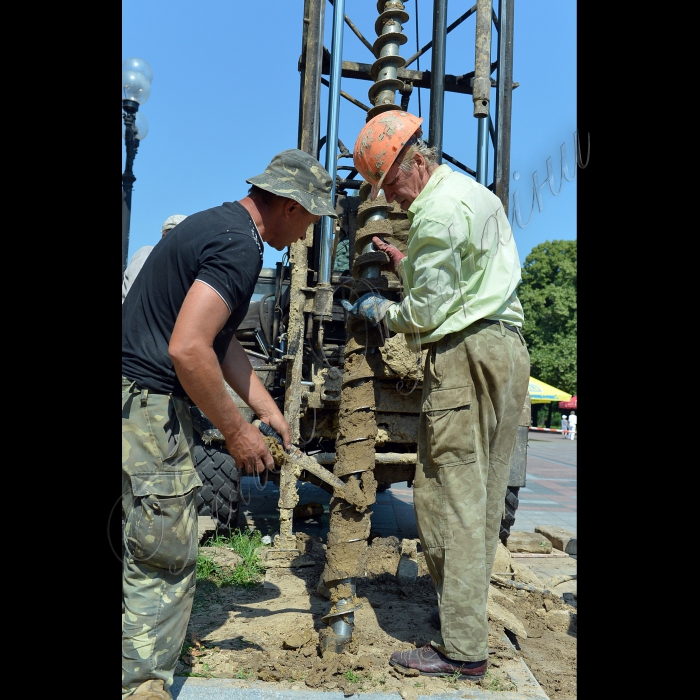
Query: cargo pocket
(170, 426)
(449, 430)
(161, 530)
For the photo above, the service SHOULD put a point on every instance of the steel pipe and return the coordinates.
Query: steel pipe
(482, 59)
(437, 76)
(324, 271)
(311, 62)
(373, 271)
(482, 151)
(312, 52)
(504, 102)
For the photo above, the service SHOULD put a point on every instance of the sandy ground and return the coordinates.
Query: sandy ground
(270, 632)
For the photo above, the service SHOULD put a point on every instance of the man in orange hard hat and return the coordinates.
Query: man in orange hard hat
(460, 276)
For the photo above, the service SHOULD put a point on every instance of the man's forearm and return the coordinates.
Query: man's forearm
(240, 375)
(202, 379)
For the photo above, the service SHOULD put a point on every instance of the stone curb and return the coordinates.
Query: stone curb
(192, 688)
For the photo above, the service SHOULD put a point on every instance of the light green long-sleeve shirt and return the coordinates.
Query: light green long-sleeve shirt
(462, 264)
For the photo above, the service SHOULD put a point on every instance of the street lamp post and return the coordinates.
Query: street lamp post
(136, 88)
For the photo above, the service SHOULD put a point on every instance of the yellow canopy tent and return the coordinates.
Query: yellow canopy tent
(544, 393)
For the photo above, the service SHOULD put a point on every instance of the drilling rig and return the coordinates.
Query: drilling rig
(351, 393)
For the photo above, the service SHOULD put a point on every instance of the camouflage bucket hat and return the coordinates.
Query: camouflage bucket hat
(298, 176)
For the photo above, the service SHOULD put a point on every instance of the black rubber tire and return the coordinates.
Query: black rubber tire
(220, 493)
(511, 507)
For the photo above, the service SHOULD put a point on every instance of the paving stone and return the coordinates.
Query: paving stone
(528, 542)
(498, 596)
(524, 574)
(561, 539)
(499, 614)
(501, 564)
(408, 570)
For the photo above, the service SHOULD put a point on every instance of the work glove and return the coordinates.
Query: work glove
(394, 254)
(371, 307)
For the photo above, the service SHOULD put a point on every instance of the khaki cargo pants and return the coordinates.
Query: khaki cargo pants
(159, 539)
(474, 387)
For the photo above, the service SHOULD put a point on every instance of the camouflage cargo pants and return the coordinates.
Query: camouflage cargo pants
(474, 387)
(159, 541)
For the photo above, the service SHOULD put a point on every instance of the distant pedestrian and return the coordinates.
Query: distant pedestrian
(139, 257)
(564, 426)
(572, 425)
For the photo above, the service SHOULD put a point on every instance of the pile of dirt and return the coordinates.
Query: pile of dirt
(270, 632)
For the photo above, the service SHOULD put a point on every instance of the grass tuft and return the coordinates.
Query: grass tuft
(247, 574)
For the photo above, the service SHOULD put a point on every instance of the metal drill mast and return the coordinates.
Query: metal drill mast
(312, 282)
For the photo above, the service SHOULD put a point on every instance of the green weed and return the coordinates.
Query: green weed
(244, 674)
(454, 678)
(491, 683)
(248, 573)
(351, 676)
(206, 674)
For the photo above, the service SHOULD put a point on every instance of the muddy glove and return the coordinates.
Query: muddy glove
(371, 307)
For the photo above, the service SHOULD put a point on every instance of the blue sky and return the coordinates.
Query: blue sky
(225, 97)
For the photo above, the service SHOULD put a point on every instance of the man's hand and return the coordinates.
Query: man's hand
(395, 255)
(249, 450)
(371, 307)
(241, 376)
(280, 425)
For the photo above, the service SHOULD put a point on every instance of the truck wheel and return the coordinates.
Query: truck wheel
(511, 507)
(220, 493)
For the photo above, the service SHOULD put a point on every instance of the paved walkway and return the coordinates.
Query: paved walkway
(550, 495)
(548, 499)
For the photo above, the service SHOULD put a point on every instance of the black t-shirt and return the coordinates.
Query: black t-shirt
(220, 247)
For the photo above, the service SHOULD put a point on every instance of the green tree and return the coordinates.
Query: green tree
(548, 296)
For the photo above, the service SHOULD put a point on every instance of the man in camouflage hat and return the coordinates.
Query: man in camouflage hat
(178, 348)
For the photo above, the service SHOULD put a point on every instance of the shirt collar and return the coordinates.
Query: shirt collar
(439, 174)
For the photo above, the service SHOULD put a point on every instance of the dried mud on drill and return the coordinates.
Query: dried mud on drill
(269, 633)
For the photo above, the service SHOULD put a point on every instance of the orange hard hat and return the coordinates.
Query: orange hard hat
(381, 140)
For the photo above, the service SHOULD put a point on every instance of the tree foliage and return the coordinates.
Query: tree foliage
(548, 296)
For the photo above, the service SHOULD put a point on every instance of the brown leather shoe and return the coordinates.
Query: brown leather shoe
(430, 662)
(153, 689)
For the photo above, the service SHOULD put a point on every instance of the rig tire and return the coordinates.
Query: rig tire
(220, 493)
(511, 507)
